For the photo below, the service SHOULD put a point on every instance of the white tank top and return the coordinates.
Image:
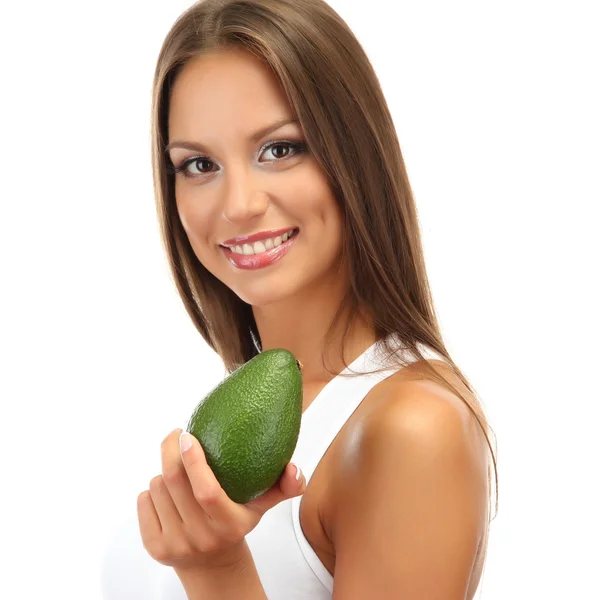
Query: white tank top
(288, 567)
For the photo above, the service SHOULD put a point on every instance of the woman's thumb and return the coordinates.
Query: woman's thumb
(291, 483)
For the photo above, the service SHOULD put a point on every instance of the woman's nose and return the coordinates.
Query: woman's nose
(242, 199)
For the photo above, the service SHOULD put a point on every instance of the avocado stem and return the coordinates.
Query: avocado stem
(300, 365)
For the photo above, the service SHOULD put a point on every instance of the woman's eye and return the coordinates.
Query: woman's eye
(278, 146)
(203, 164)
(196, 163)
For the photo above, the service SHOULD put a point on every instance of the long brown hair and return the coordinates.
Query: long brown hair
(335, 94)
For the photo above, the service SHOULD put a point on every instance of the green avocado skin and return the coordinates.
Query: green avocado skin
(249, 424)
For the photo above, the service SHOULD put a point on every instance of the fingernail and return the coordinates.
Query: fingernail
(185, 441)
(298, 473)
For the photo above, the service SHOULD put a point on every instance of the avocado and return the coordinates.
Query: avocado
(248, 425)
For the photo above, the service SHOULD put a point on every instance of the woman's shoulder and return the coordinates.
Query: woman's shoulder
(413, 394)
(413, 388)
(413, 397)
(409, 412)
(397, 404)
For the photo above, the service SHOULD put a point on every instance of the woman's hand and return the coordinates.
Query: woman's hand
(187, 520)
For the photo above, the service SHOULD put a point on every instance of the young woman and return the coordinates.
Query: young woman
(289, 222)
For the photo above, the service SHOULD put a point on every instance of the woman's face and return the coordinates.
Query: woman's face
(232, 185)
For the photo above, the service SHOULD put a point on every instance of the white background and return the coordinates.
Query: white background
(496, 107)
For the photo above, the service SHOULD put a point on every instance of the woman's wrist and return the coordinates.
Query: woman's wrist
(228, 560)
(227, 576)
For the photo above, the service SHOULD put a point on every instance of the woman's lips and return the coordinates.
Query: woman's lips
(264, 259)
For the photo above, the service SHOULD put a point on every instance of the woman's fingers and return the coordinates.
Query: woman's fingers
(177, 482)
(148, 520)
(161, 527)
(170, 519)
(196, 493)
(227, 516)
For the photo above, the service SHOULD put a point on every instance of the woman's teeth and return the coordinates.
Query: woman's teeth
(262, 245)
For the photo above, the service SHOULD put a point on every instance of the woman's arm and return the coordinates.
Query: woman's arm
(410, 499)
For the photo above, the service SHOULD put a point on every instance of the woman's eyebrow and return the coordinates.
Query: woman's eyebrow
(253, 138)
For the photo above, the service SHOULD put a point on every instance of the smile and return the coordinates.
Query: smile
(259, 255)
(263, 245)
